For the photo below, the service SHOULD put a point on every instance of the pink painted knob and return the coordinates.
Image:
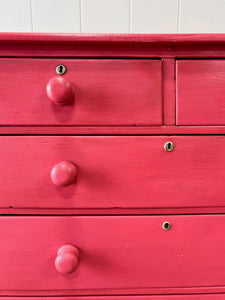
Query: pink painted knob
(67, 258)
(60, 90)
(64, 173)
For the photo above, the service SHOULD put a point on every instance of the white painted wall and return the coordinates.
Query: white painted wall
(113, 16)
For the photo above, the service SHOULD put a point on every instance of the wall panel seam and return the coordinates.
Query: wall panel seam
(31, 16)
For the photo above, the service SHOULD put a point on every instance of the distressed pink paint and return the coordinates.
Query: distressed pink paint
(200, 92)
(91, 92)
(83, 166)
(116, 253)
(64, 173)
(112, 172)
(67, 258)
(60, 91)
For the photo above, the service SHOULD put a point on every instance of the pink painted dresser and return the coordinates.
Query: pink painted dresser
(112, 167)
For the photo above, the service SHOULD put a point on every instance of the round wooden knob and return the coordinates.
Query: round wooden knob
(60, 90)
(64, 173)
(67, 258)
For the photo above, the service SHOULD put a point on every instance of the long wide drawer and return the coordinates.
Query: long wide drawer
(116, 254)
(91, 92)
(111, 171)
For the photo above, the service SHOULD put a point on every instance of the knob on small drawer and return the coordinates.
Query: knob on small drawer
(64, 173)
(60, 90)
(67, 258)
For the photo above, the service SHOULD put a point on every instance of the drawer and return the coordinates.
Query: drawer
(111, 171)
(91, 92)
(200, 92)
(110, 254)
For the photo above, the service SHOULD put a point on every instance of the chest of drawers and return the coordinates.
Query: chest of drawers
(112, 156)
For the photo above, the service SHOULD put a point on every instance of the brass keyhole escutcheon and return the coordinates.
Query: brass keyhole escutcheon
(61, 69)
(166, 225)
(169, 146)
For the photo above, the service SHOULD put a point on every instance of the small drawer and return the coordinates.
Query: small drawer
(112, 171)
(91, 92)
(117, 254)
(200, 92)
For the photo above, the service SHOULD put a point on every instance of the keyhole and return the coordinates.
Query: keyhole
(61, 69)
(166, 225)
(169, 146)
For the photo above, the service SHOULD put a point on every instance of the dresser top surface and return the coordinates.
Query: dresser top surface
(172, 39)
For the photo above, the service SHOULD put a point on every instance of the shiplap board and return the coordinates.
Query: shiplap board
(56, 15)
(113, 16)
(154, 16)
(105, 16)
(202, 16)
(15, 16)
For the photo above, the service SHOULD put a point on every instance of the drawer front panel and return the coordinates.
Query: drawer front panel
(112, 171)
(107, 92)
(118, 252)
(200, 92)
